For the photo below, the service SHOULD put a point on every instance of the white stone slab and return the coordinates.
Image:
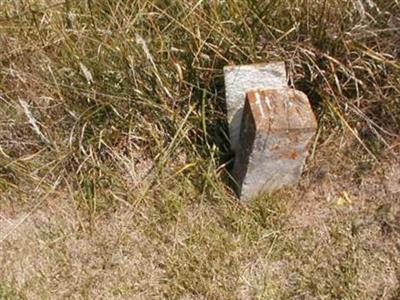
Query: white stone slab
(241, 79)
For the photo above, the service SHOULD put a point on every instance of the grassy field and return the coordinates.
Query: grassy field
(114, 151)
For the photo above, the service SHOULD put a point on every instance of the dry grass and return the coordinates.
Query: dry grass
(114, 151)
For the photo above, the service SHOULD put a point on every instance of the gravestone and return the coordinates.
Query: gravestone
(239, 80)
(276, 130)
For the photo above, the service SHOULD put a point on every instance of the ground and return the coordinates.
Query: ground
(333, 237)
(115, 156)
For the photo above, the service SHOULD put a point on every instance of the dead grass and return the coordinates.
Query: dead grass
(114, 151)
(298, 245)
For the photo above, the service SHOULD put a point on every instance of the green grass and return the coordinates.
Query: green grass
(8, 293)
(110, 108)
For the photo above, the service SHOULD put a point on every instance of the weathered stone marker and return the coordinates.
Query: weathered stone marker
(276, 131)
(241, 79)
(271, 128)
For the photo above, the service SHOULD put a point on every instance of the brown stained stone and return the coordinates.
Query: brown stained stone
(276, 130)
(243, 78)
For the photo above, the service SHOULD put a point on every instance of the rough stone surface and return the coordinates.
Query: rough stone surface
(275, 135)
(239, 80)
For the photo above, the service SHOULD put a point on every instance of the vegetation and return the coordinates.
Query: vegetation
(114, 151)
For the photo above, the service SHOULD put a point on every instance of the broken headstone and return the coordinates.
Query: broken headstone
(239, 80)
(276, 129)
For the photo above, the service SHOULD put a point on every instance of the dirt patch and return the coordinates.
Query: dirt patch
(50, 256)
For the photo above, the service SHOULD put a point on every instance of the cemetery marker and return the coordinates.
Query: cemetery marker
(271, 127)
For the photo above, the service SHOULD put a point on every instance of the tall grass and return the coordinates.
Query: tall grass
(112, 83)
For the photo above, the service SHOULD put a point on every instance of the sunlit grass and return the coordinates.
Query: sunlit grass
(121, 104)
